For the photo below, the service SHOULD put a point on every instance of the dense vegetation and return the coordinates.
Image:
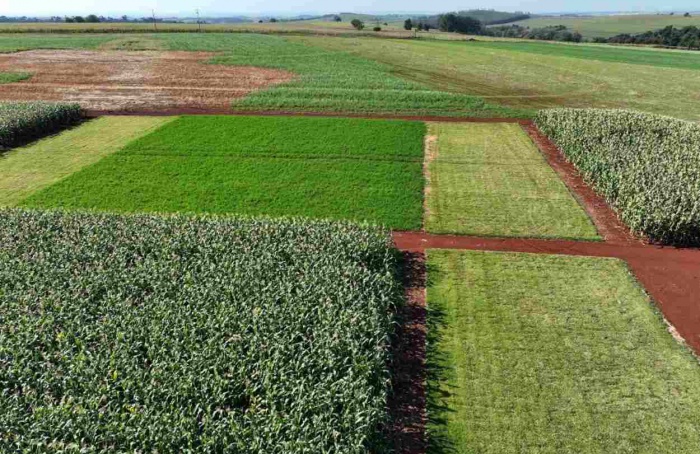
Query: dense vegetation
(606, 26)
(535, 353)
(646, 166)
(688, 37)
(550, 33)
(11, 77)
(177, 334)
(304, 137)
(26, 170)
(23, 121)
(313, 167)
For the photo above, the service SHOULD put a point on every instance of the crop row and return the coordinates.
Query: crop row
(182, 334)
(23, 121)
(646, 166)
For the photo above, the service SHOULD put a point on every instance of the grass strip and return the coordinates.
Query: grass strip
(12, 77)
(491, 180)
(29, 169)
(551, 354)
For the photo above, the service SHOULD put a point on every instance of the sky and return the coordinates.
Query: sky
(293, 7)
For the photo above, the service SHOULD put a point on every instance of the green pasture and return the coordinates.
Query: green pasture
(172, 170)
(552, 354)
(491, 180)
(534, 75)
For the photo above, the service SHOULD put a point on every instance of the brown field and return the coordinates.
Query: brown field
(132, 81)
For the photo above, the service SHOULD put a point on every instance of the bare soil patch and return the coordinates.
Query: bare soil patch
(133, 81)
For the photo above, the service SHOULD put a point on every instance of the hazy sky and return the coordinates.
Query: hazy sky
(165, 7)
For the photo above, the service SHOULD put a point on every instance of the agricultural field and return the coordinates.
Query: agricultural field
(28, 169)
(532, 76)
(298, 77)
(607, 26)
(283, 242)
(491, 180)
(537, 353)
(316, 167)
(175, 334)
(646, 166)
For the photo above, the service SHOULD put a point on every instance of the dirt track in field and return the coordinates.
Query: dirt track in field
(133, 81)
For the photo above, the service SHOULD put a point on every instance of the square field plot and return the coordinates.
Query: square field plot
(172, 334)
(490, 179)
(553, 354)
(316, 167)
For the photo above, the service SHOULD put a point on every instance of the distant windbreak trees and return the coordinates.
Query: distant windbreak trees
(453, 22)
(685, 37)
(549, 33)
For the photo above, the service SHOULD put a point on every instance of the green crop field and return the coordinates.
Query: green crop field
(29, 169)
(304, 137)
(10, 77)
(526, 76)
(200, 335)
(490, 179)
(551, 354)
(20, 41)
(175, 173)
(606, 26)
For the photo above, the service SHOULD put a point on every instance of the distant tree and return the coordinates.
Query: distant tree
(69, 20)
(426, 27)
(419, 27)
(686, 15)
(337, 18)
(377, 29)
(92, 18)
(125, 18)
(358, 24)
(408, 25)
(79, 19)
(461, 24)
(672, 14)
(273, 20)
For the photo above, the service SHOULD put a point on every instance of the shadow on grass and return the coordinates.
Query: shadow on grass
(437, 372)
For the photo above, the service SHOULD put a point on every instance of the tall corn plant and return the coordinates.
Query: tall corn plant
(646, 166)
(23, 121)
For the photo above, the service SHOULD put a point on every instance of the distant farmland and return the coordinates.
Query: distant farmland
(606, 26)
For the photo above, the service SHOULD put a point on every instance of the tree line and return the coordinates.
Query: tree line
(686, 37)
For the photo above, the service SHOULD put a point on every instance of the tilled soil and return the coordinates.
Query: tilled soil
(133, 81)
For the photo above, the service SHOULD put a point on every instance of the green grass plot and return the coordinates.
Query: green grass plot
(551, 354)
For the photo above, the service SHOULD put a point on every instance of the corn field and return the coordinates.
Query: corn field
(24, 121)
(192, 335)
(646, 166)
